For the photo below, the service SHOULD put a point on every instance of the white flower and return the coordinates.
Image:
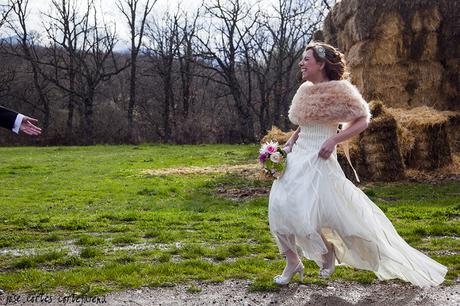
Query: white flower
(269, 147)
(276, 157)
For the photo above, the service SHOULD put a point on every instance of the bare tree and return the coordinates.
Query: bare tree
(260, 62)
(187, 54)
(224, 74)
(65, 32)
(223, 54)
(162, 49)
(7, 74)
(82, 57)
(170, 50)
(6, 9)
(26, 48)
(129, 8)
(328, 4)
(289, 30)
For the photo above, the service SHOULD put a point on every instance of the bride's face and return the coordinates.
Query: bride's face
(311, 69)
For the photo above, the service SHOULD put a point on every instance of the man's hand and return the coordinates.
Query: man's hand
(28, 126)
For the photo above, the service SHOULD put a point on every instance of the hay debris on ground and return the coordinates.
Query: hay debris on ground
(253, 171)
(243, 192)
(448, 172)
(247, 170)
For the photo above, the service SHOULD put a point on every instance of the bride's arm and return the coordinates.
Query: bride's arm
(292, 140)
(353, 129)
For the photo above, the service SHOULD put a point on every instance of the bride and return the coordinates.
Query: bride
(313, 209)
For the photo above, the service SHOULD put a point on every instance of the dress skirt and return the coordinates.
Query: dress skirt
(314, 199)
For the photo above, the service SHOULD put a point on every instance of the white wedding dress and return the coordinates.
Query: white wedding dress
(313, 198)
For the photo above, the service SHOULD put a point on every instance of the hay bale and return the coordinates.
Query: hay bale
(454, 130)
(318, 36)
(406, 142)
(405, 53)
(429, 127)
(275, 134)
(355, 157)
(408, 85)
(451, 83)
(375, 152)
(380, 155)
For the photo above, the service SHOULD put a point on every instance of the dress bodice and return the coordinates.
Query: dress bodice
(313, 135)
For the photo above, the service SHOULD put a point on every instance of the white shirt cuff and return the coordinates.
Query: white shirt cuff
(17, 123)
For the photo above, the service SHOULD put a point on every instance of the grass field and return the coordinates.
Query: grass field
(89, 220)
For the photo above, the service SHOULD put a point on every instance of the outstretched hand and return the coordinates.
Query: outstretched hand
(28, 126)
(327, 148)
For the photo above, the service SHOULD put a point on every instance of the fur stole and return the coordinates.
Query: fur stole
(333, 101)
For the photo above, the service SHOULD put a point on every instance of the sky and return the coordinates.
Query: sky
(111, 14)
(110, 11)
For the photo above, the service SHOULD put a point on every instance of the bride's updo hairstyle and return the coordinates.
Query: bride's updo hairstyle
(336, 66)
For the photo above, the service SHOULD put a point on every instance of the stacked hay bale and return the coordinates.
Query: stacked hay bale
(454, 131)
(375, 153)
(356, 159)
(378, 144)
(425, 139)
(275, 134)
(405, 53)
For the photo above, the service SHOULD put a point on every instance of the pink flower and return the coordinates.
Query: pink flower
(262, 157)
(271, 149)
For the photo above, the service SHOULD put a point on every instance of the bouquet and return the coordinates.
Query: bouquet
(273, 159)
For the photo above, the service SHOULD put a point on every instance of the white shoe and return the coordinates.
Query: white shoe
(326, 272)
(285, 279)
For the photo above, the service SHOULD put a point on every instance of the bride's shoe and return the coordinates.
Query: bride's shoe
(285, 279)
(326, 272)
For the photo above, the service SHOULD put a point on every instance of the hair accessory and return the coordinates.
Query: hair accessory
(320, 51)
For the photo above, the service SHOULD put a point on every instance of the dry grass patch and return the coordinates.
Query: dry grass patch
(246, 170)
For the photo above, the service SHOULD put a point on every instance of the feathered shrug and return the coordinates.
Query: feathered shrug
(332, 101)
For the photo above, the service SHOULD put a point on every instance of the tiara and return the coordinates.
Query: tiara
(321, 51)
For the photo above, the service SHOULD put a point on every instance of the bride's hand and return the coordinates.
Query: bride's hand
(327, 148)
(287, 149)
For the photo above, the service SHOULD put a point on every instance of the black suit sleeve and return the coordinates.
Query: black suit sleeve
(7, 118)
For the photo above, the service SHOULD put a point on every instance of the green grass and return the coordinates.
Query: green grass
(88, 220)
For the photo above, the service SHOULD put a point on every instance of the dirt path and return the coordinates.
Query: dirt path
(234, 292)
